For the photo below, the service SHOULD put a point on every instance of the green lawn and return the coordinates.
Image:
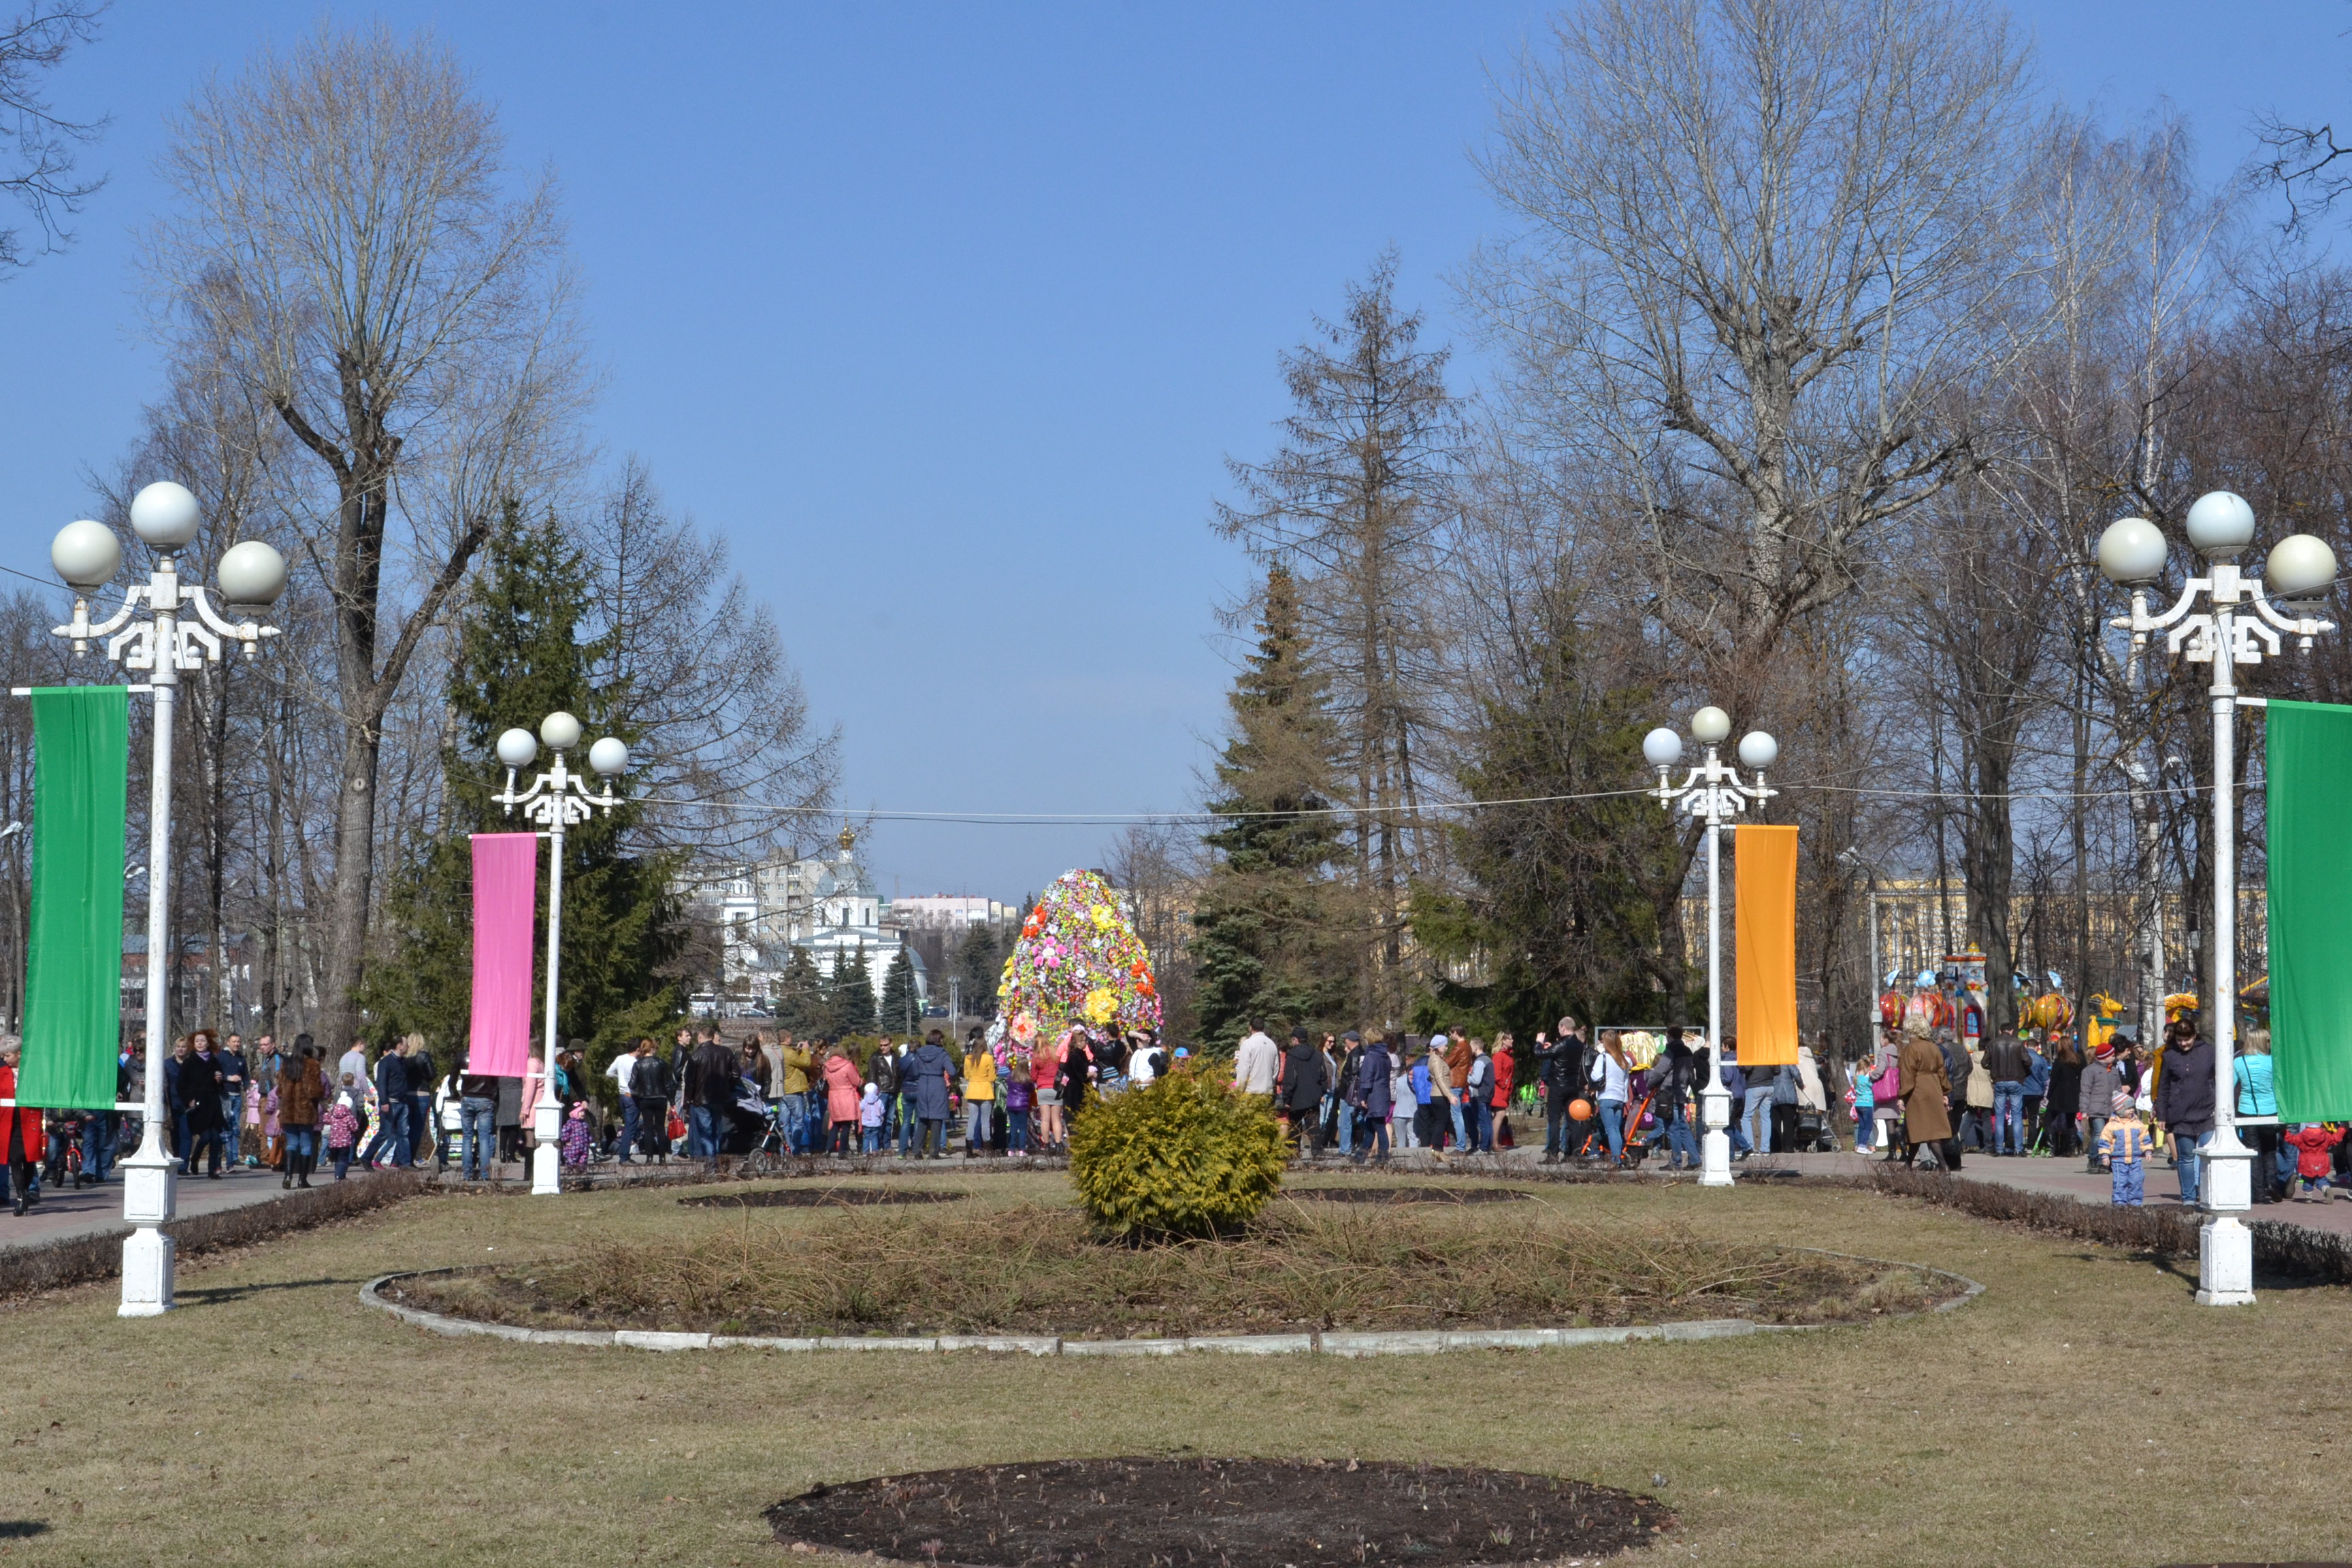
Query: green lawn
(2061, 1418)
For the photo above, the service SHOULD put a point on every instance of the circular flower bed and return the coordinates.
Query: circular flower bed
(1147, 1514)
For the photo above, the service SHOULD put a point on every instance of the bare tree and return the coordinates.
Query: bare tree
(1763, 240)
(1353, 505)
(344, 247)
(41, 177)
(738, 772)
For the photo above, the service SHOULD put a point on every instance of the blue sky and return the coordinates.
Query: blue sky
(946, 316)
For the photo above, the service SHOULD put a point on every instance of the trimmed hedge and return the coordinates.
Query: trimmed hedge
(1185, 1156)
(79, 1260)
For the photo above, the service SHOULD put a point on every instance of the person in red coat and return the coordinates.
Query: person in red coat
(20, 1132)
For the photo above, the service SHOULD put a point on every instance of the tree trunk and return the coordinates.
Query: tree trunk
(347, 908)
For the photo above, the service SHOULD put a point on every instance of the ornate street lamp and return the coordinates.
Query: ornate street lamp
(2239, 629)
(87, 555)
(555, 800)
(1712, 793)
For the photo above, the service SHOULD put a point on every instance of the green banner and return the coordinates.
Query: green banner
(2309, 757)
(73, 985)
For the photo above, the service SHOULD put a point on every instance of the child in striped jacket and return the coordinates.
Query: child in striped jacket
(2124, 1144)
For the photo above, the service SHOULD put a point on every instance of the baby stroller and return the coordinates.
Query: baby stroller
(747, 1124)
(1812, 1134)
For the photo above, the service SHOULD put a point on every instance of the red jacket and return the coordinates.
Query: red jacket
(12, 1118)
(2311, 1144)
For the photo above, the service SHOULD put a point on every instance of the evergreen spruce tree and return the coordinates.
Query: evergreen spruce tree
(851, 996)
(901, 1008)
(802, 999)
(1565, 878)
(519, 658)
(979, 968)
(1273, 936)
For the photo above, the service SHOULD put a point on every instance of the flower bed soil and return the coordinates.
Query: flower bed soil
(1405, 1194)
(1218, 1513)
(821, 1197)
(1040, 1269)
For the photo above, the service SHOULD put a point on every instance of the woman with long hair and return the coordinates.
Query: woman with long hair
(1613, 1076)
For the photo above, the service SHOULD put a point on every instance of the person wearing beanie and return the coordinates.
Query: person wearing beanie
(2125, 1144)
(2102, 1081)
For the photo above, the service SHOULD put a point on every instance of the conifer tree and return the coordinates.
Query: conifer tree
(518, 659)
(979, 967)
(1275, 937)
(802, 1000)
(902, 1007)
(851, 995)
(1564, 876)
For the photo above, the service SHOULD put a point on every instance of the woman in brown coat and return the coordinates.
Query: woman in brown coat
(1925, 1089)
(301, 1099)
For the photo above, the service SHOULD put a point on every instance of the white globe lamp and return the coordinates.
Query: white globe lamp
(517, 749)
(560, 730)
(1758, 749)
(253, 573)
(1711, 726)
(2300, 568)
(1662, 748)
(2132, 552)
(85, 554)
(165, 515)
(2221, 524)
(609, 756)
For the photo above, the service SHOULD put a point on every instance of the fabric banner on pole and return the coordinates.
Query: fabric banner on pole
(1764, 928)
(2308, 749)
(73, 980)
(506, 901)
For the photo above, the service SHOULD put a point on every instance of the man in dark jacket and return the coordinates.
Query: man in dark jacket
(2010, 1066)
(1374, 1071)
(1559, 1069)
(392, 1095)
(650, 1084)
(713, 1079)
(1298, 1089)
(2184, 1104)
(200, 1100)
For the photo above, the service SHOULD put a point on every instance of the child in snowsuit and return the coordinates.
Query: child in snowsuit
(2313, 1144)
(2124, 1144)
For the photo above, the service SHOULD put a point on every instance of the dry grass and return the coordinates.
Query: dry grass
(2074, 1413)
(1039, 1269)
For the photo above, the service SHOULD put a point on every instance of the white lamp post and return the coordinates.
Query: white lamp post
(2132, 553)
(1714, 795)
(555, 800)
(87, 555)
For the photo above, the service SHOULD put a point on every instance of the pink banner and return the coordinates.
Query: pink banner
(506, 900)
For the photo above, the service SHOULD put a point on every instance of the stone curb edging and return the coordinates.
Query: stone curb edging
(1316, 1343)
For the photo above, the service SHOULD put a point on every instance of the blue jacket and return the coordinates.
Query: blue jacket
(2256, 1097)
(1373, 1075)
(928, 1068)
(1420, 1078)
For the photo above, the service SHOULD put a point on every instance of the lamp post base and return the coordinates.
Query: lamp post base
(147, 1256)
(150, 1191)
(2225, 1263)
(1715, 1143)
(546, 1171)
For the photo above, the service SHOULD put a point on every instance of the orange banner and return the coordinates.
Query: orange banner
(1764, 925)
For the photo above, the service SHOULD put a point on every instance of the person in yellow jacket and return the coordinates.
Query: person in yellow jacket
(799, 1063)
(979, 1094)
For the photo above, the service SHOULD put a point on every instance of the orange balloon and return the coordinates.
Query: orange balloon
(1582, 1109)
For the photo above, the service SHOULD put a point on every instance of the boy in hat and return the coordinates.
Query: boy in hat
(2102, 1081)
(2125, 1144)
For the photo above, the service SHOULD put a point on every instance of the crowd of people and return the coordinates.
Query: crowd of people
(1923, 1097)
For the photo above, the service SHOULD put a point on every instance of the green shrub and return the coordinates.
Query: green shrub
(1185, 1156)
